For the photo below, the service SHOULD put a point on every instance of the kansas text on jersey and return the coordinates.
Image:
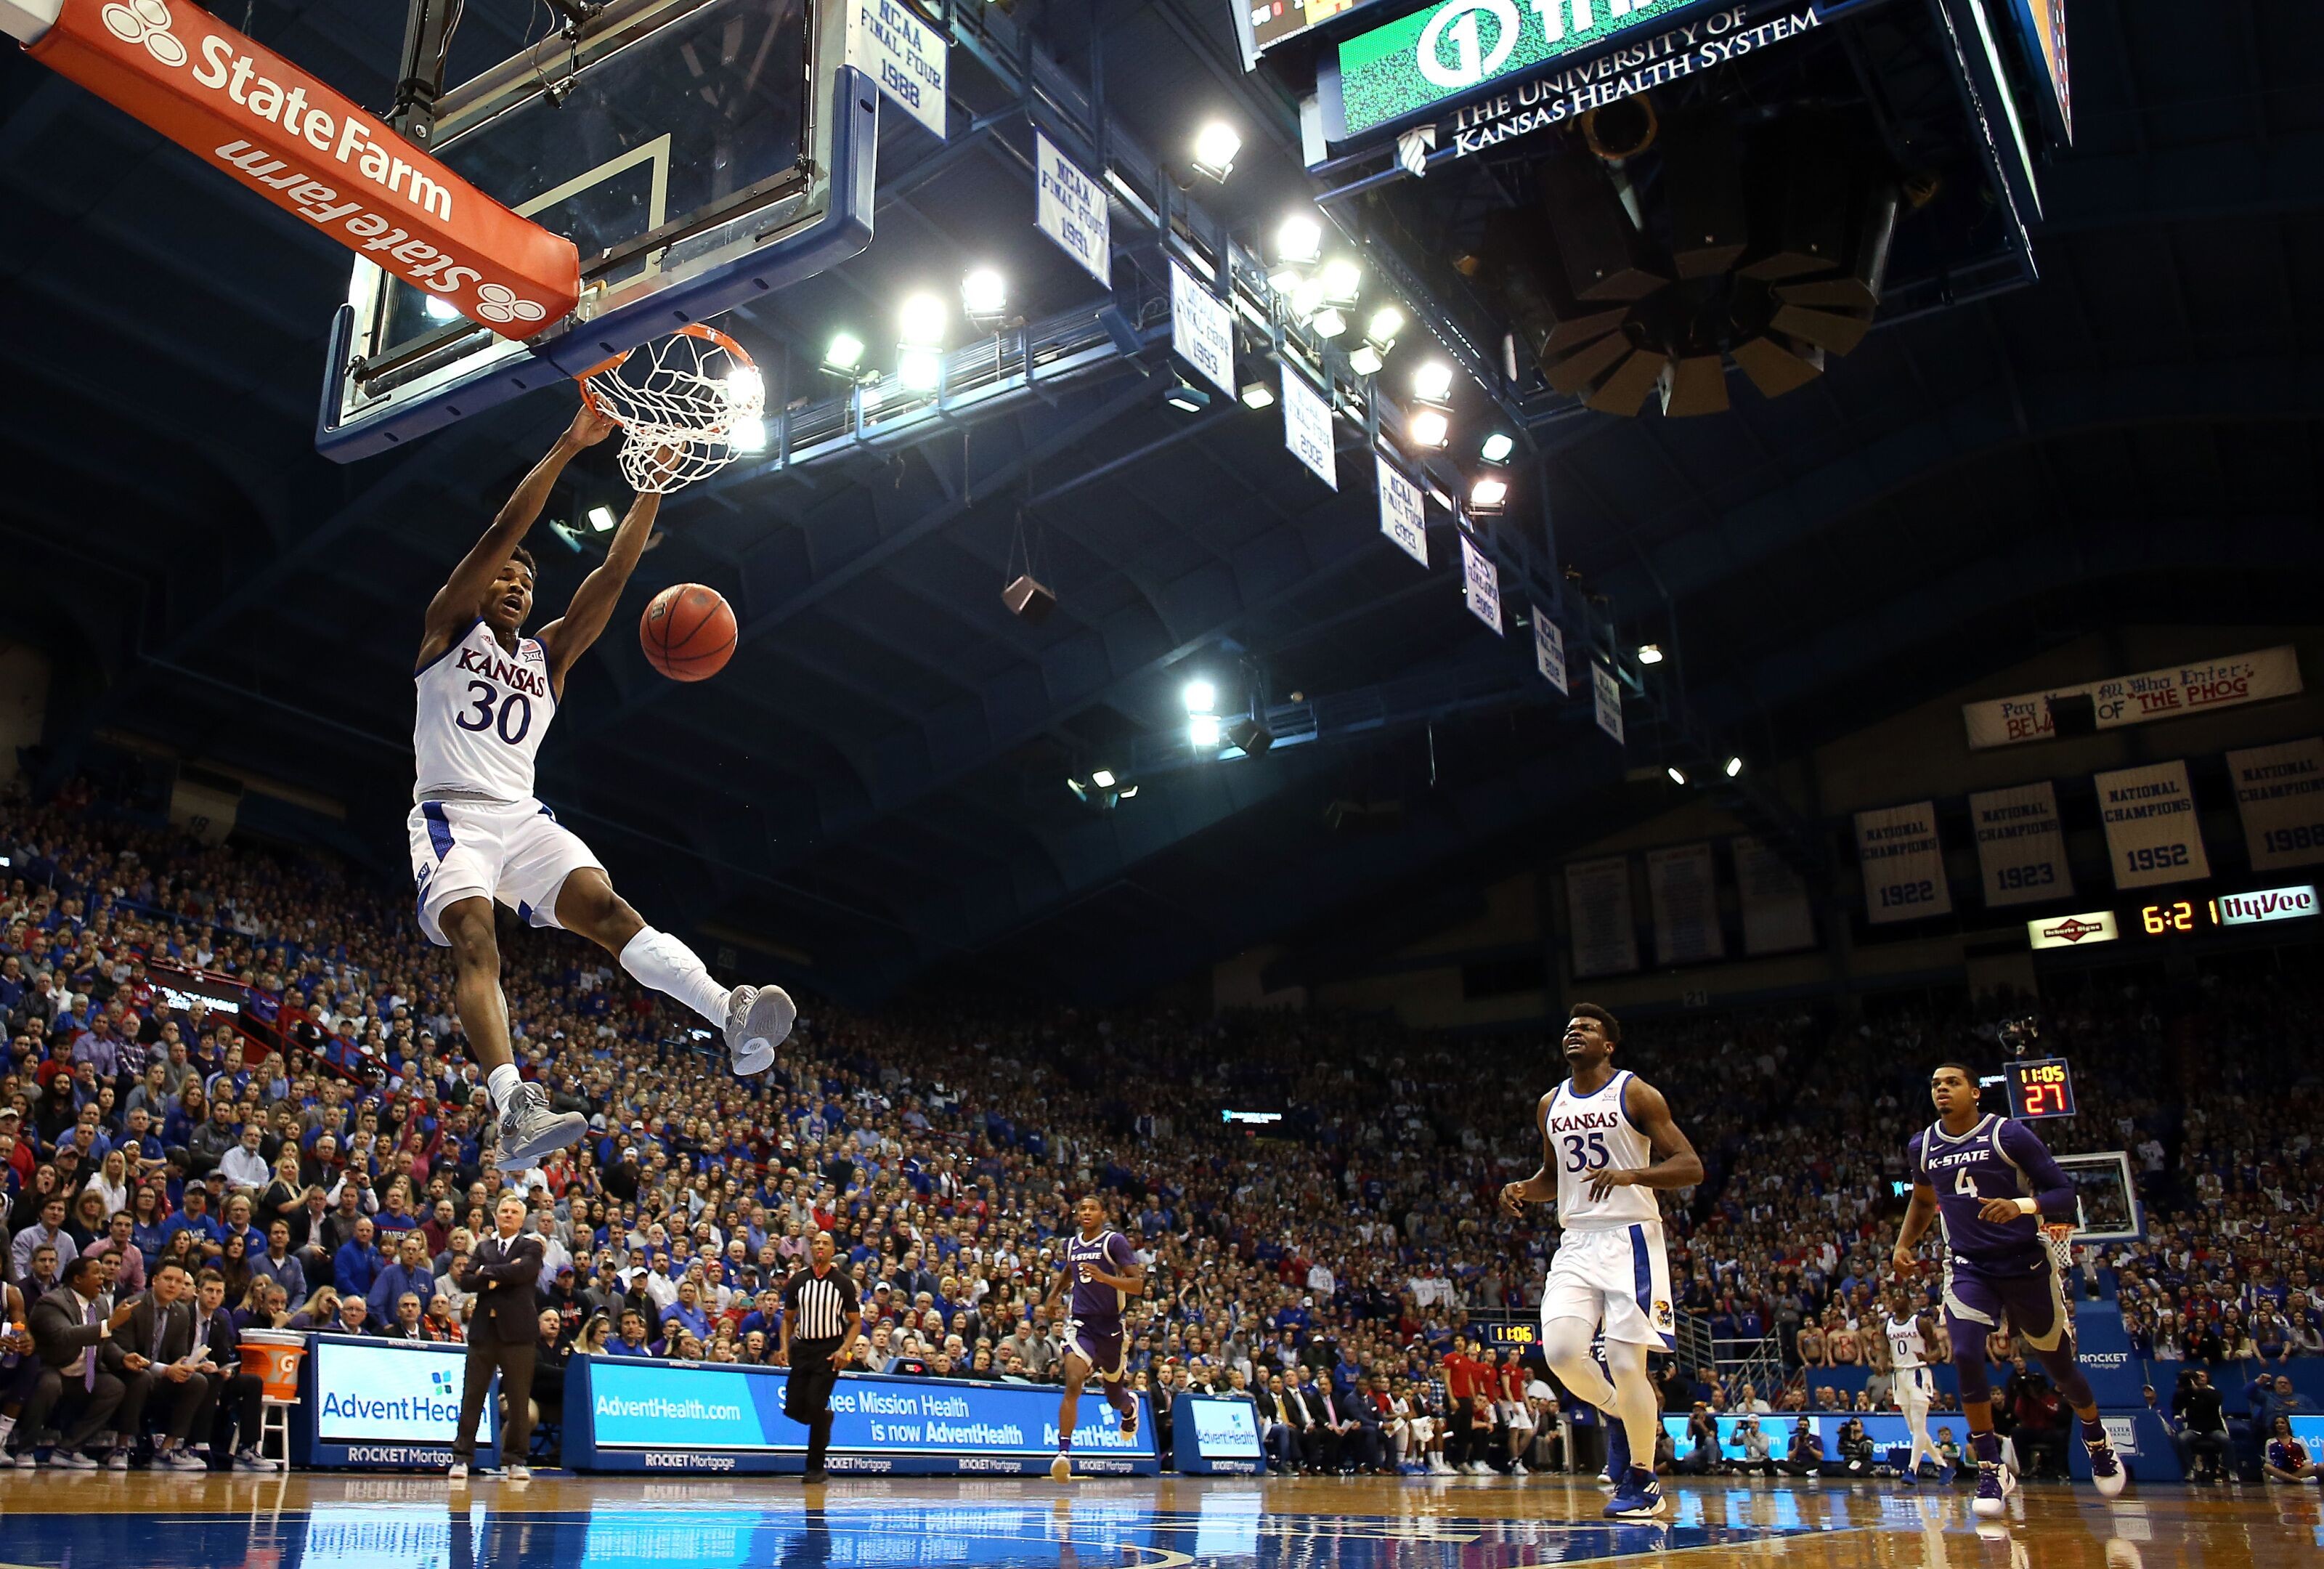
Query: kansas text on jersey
(481, 711)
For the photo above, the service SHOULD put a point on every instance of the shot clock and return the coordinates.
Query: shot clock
(2040, 1086)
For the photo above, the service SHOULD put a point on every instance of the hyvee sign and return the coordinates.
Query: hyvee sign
(1607, 48)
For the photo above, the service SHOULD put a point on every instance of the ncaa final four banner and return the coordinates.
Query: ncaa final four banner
(1604, 932)
(2152, 831)
(2281, 792)
(2020, 848)
(1685, 898)
(1904, 863)
(1774, 898)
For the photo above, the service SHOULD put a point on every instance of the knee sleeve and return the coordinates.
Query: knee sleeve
(1565, 1343)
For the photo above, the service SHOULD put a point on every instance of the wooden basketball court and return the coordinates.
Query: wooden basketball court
(338, 1522)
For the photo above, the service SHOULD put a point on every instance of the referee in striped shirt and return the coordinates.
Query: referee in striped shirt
(822, 1319)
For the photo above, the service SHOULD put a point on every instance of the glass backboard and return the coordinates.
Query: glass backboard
(697, 152)
(2106, 1197)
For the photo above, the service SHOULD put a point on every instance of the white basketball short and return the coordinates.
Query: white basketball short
(1619, 1277)
(1915, 1386)
(512, 851)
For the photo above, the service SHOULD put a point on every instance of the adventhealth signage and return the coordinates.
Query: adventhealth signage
(703, 1416)
(1572, 55)
(393, 1404)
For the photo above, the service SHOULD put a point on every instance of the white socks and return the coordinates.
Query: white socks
(504, 1082)
(661, 961)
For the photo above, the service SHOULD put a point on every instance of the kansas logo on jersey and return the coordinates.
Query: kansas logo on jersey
(507, 672)
(1662, 1314)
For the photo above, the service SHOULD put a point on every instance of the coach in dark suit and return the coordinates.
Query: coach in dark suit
(159, 1341)
(82, 1376)
(502, 1270)
(237, 1398)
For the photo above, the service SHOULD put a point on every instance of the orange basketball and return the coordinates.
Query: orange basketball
(688, 632)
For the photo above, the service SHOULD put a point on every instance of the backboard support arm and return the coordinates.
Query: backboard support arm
(428, 29)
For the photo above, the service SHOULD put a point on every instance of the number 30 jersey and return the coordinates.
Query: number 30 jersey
(1587, 1134)
(482, 713)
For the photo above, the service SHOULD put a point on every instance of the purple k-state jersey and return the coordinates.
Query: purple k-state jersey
(1094, 1304)
(1997, 1158)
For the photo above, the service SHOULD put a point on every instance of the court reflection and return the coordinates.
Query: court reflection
(399, 1523)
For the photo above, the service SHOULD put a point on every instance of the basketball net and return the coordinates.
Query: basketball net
(2061, 1246)
(689, 405)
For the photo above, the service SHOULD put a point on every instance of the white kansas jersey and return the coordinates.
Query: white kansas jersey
(1587, 1134)
(1904, 1347)
(482, 713)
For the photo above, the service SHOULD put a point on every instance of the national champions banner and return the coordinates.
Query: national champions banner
(1685, 898)
(1904, 863)
(1774, 899)
(2152, 833)
(1605, 934)
(2280, 791)
(2021, 850)
(2195, 688)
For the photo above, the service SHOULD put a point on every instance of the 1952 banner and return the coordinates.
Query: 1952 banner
(2150, 828)
(1598, 908)
(1904, 863)
(2189, 689)
(1685, 898)
(2281, 791)
(2020, 848)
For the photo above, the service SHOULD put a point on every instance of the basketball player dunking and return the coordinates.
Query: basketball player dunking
(486, 694)
(1989, 1181)
(1607, 1142)
(1098, 1275)
(1909, 1333)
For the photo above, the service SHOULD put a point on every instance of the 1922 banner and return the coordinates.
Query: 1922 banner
(2281, 791)
(2020, 848)
(1774, 898)
(1685, 898)
(1904, 863)
(2152, 833)
(1598, 908)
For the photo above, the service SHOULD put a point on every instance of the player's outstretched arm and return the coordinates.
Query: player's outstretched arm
(1918, 1213)
(453, 608)
(1676, 1165)
(1541, 1187)
(568, 637)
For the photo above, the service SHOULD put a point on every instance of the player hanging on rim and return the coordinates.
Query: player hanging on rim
(486, 694)
(1989, 1181)
(1910, 1334)
(1607, 1142)
(1098, 1273)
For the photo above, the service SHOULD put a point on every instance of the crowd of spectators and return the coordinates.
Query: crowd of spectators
(327, 1152)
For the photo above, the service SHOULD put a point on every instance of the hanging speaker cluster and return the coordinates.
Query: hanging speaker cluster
(1626, 278)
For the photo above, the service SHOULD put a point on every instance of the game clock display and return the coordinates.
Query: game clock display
(2041, 1087)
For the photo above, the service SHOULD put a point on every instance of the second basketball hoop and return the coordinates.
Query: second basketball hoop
(688, 404)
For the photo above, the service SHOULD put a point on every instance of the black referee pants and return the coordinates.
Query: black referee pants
(807, 1394)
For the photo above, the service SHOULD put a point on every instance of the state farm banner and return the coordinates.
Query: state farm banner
(1904, 863)
(2020, 848)
(2152, 833)
(2166, 694)
(278, 131)
(1605, 936)
(1774, 898)
(1685, 898)
(2281, 792)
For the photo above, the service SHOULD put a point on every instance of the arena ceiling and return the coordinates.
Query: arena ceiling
(876, 785)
